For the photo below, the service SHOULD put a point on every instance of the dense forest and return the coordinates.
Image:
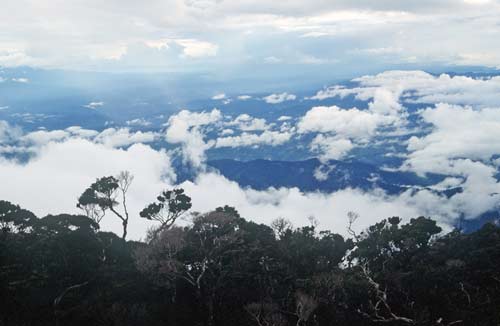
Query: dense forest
(222, 269)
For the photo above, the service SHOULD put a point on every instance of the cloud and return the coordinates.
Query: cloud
(330, 148)
(89, 34)
(219, 96)
(43, 136)
(64, 164)
(8, 133)
(246, 122)
(271, 138)
(272, 59)
(122, 137)
(420, 87)
(51, 182)
(110, 137)
(329, 209)
(244, 97)
(226, 132)
(458, 141)
(138, 122)
(458, 132)
(93, 105)
(187, 129)
(198, 49)
(61, 170)
(284, 118)
(279, 98)
(81, 132)
(21, 80)
(462, 144)
(353, 122)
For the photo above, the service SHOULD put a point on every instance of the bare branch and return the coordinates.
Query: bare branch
(381, 305)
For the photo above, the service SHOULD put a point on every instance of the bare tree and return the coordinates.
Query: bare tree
(313, 220)
(381, 311)
(266, 314)
(281, 225)
(305, 306)
(351, 218)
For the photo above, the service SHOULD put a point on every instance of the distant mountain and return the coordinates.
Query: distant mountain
(262, 174)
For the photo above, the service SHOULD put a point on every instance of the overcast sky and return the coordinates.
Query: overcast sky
(238, 35)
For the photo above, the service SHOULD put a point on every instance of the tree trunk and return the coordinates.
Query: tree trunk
(210, 308)
(124, 223)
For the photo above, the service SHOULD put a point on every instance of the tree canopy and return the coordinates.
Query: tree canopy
(223, 269)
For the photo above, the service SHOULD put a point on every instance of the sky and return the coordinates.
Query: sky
(243, 37)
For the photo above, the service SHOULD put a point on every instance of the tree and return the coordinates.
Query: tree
(170, 205)
(281, 226)
(387, 254)
(14, 218)
(106, 194)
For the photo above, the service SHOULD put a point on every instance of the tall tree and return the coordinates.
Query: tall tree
(107, 193)
(170, 205)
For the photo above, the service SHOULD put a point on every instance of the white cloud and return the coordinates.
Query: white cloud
(67, 166)
(81, 132)
(219, 96)
(186, 129)
(279, 98)
(458, 132)
(226, 132)
(272, 59)
(329, 209)
(462, 144)
(122, 137)
(21, 80)
(62, 170)
(42, 137)
(351, 122)
(198, 49)
(138, 122)
(8, 133)
(83, 33)
(246, 122)
(330, 148)
(110, 137)
(51, 182)
(244, 97)
(272, 138)
(420, 87)
(93, 105)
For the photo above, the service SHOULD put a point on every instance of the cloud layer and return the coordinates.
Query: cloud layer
(161, 35)
(441, 124)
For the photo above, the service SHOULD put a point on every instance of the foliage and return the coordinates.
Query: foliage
(170, 205)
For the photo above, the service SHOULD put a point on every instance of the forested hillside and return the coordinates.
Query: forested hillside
(222, 269)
